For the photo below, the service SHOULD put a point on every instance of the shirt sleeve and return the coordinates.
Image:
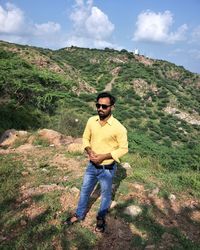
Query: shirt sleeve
(86, 136)
(123, 145)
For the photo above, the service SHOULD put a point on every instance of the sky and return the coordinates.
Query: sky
(160, 29)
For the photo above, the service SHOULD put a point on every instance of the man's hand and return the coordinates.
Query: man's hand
(99, 158)
(90, 152)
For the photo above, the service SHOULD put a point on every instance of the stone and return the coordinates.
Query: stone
(75, 147)
(10, 136)
(155, 191)
(75, 191)
(132, 210)
(172, 197)
(53, 137)
(126, 165)
(150, 247)
(113, 204)
(23, 223)
(25, 173)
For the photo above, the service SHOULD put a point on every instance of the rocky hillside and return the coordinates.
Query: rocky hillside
(157, 101)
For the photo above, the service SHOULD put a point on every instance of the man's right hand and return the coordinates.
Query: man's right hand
(90, 152)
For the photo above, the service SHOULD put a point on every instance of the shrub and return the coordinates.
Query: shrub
(69, 122)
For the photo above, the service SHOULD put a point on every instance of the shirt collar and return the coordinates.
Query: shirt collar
(109, 121)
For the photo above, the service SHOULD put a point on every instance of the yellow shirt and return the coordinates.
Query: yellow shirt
(109, 138)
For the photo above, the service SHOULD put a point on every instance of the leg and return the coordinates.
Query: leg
(105, 180)
(88, 185)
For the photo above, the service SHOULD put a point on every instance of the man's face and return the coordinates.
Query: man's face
(104, 107)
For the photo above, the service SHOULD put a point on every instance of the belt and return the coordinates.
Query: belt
(108, 166)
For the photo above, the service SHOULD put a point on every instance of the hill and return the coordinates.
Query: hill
(157, 101)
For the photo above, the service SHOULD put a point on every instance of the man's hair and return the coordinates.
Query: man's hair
(106, 94)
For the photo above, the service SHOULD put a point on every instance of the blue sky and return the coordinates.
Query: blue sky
(161, 29)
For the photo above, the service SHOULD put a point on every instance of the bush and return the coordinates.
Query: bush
(69, 122)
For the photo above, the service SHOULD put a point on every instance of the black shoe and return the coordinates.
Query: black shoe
(71, 220)
(101, 224)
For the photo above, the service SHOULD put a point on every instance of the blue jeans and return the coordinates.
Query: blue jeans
(91, 177)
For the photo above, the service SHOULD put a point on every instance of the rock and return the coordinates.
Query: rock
(25, 147)
(126, 165)
(30, 170)
(133, 210)
(53, 137)
(150, 247)
(66, 140)
(75, 191)
(23, 222)
(75, 147)
(24, 173)
(155, 191)
(172, 197)
(78, 140)
(45, 170)
(9, 137)
(65, 178)
(31, 139)
(190, 118)
(113, 204)
(139, 187)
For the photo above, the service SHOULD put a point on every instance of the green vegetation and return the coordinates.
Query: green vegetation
(44, 88)
(41, 88)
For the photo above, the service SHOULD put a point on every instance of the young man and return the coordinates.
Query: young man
(105, 141)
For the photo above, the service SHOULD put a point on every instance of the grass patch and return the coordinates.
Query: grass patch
(149, 172)
(10, 180)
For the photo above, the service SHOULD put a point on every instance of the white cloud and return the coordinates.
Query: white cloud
(91, 28)
(98, 24)
(90, 22)
(14, 27)
(46, 28)
(155, 27)
(11, 19)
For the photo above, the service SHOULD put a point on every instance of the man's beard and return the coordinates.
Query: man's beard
(102, 115)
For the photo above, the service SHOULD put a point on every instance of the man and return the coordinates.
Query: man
(105, 141)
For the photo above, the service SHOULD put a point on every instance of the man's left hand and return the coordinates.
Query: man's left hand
(98, 158)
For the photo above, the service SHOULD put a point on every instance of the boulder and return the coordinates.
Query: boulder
(54, 137)
(50, 135)
(132, 210)
(75, 147)
(10, 136)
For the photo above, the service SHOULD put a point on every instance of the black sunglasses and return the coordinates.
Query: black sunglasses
(104, 106)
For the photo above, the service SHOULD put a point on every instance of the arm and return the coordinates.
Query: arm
(86, 141)
(123, 145)
(86, 137)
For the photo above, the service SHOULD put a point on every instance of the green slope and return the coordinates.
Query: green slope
(157, 101)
